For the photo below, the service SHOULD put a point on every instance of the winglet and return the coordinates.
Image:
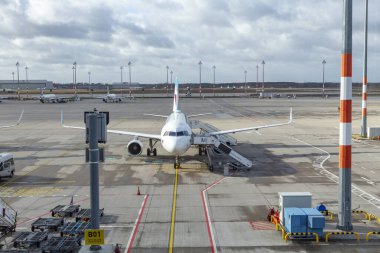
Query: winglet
(291, 115)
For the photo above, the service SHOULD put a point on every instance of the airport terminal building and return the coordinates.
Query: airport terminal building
(24, 85)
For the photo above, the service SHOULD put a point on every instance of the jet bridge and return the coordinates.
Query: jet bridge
(219, 142)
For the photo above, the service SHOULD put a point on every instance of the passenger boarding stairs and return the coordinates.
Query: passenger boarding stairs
(7, 218)
(207, 128)
(221, 142)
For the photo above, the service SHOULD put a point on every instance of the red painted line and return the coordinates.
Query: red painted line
(137, 223)
(212, 245)
(214, 183)
(205, 209)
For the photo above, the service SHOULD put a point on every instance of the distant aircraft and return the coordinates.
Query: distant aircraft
(52, 98)
(17, 123)
(176, 135)
(111, 97)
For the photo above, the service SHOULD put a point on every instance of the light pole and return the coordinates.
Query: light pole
(18, 81)
(26, 81)
(200, 79)
(171, 79)
(323, 85)
(75, 80)
(167, 80)
(89, 82)
(257, 77)
(364, 89)
(130, 79)
(13, 83)
(213, 87)
(73, 74)
(121, 80)
(262, 87)
(245, 82)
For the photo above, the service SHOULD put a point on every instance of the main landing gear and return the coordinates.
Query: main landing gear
(151, 150)
(177, 163)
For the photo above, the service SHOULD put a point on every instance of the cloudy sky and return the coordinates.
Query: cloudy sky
(292, 36)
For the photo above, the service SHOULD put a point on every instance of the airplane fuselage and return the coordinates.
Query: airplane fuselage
(111, 98)
(176, 134)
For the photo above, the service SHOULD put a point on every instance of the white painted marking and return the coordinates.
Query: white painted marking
(323, 171)
(368, 181)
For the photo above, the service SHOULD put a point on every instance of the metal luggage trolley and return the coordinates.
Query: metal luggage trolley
(61, 245)
(64, 210)
(29, 239)
(85, 214)
(14, 251)
(75, 229)
(47, 223)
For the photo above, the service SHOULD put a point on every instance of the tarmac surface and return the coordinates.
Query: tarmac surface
(204, 211)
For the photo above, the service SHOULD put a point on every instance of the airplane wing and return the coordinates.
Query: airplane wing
(155, 115)
(197, 115)
(134, 134)
(232, 131)
(17, 123)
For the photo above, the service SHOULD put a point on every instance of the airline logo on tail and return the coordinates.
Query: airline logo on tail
(176, 97)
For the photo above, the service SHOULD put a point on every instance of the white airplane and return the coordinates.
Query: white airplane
(111, 97)
(52, 98)
(176, 135)
(17, 123)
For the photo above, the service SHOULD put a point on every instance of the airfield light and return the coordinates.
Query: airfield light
(18, 81)
(213, 87)
(121, 80)
(171, 79)
(26, 80)
(262, 87)
(167, 80)
(13, 83)
(130, 79)
(75, 79)
(200, 79)
(257, 77)
(323, 77)
(245, 82)
(364, 93)
(89, 82)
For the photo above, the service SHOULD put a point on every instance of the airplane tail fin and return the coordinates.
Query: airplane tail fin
(108, 89)
(176, 97)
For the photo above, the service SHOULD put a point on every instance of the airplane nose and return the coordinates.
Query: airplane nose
(177, 146)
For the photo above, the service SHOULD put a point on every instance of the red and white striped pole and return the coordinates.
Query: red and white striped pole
(344, 214)
(364, 96)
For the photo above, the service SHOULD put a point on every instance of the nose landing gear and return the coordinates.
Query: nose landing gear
(177, 163)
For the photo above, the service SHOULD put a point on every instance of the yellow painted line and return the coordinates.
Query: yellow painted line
(171, 239)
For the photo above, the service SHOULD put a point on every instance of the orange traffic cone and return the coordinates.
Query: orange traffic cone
(138, 190)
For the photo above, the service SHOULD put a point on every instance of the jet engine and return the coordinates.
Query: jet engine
(135, 147)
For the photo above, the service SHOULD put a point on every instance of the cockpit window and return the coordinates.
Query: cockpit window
(179, 133)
